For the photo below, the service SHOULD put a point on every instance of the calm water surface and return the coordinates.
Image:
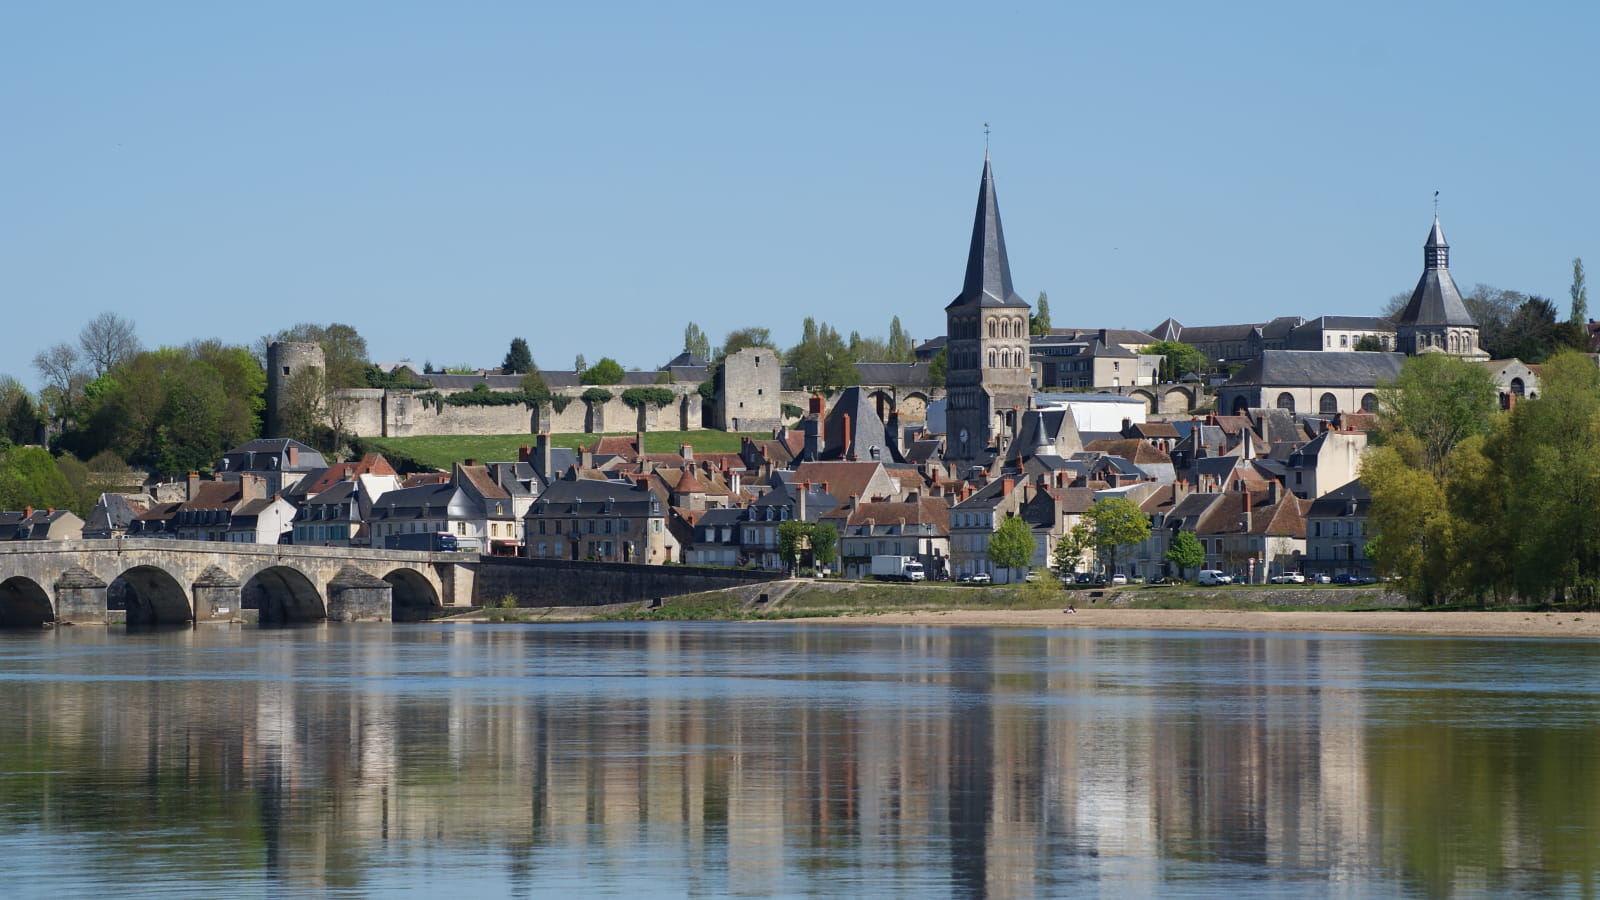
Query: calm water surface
(793, 761)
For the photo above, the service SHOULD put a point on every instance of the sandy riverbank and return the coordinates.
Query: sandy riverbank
(1476, 624)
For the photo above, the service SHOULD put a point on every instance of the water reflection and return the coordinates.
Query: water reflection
(791, 760)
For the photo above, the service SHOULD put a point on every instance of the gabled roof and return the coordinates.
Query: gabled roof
(898, 374)
(988, 279)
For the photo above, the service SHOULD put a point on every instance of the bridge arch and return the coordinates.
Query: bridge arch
(152, 596)
(23, 603)
(412, 596)
(1176, 400)
(283, 594)
(1148, 398)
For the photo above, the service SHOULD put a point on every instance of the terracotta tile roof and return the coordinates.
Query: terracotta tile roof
(1133, 450)
(844, 479)
(215, 495)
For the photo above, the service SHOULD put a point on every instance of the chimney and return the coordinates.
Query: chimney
(1275, 491)
(586, 458)
(819, 407)
(252, 487)
(1127, 426)
(845, 447)
(523, 453)
(913, 497)
(27, 512)
(855, 500)
(800, 501)
(1211, 417)
(471, 462)
(294, 456)
(687, 452)
(194, 485)
(825, 488)
(638, 442)
(1007, 484)
(893, 434)
(1244, 520)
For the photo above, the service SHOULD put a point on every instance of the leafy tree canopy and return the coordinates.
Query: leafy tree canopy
(606, 371)
(1011, 545)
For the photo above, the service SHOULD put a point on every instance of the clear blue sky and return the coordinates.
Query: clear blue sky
(445, 177)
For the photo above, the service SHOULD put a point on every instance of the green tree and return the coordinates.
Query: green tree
(1067, 555)
(824, 543)
(1186, 552)
(742, 338)
(1369, 343)
(899, 343)
(939, 368)
(1555, 483)
(791, 540)
(821, 361)
(606, 371)
(29, 477)
(1580, 295)
(695, 341)
(579, 365)
(1115, 522)
(519, 359)
(22, 421)
(1011, 546)
(1409, 513)
(1440, 401)
(1039, 321)
(1178, 359)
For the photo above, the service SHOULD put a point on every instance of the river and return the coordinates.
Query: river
(787, 760)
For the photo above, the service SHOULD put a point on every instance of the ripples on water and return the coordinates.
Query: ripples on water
(793, 760)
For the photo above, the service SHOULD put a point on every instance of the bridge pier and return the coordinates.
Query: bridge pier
(217, 597)
(80, 598)
(355, 596)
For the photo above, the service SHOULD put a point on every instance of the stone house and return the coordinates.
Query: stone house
(40, 525)
(917, 526)
(607, 521)
(266, 520)
(1337, 534)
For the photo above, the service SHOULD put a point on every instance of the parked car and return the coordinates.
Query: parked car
(1346, 578)
(1085, 578)
(1214, 577)
(1289, 578)
(1119, 578)
(977, 578)
(1324, 578)
(1031, 576)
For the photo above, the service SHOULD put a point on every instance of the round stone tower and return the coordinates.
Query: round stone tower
(284, 360)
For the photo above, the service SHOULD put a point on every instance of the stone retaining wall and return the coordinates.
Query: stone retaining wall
(556, 582)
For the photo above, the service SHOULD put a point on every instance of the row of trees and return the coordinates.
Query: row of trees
(1471, 504)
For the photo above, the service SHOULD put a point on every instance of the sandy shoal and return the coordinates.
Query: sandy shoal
(1477, 624)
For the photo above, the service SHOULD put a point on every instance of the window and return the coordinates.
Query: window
(1344, 340)
(1286, 401)
(1369, 403)
(461, 528)
(1328, 404)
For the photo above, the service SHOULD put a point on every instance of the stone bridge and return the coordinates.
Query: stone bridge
(156, 582)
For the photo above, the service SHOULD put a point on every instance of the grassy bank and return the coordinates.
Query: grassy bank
(806, 599)
(439, 451)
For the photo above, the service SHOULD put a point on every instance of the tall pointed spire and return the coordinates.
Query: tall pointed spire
(988, 281)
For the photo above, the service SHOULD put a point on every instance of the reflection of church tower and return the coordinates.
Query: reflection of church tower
(988, 378)
(1436, 321)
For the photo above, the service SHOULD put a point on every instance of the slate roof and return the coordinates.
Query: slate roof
(988, 279)
(913, 375)
(272, 454)
(1352, 499)
(1435, 300)
(1318, 368)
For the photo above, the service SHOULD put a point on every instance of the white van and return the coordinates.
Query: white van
(1214, 577)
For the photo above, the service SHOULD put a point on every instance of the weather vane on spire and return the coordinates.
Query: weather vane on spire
(986, 139)
(1436, 204)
